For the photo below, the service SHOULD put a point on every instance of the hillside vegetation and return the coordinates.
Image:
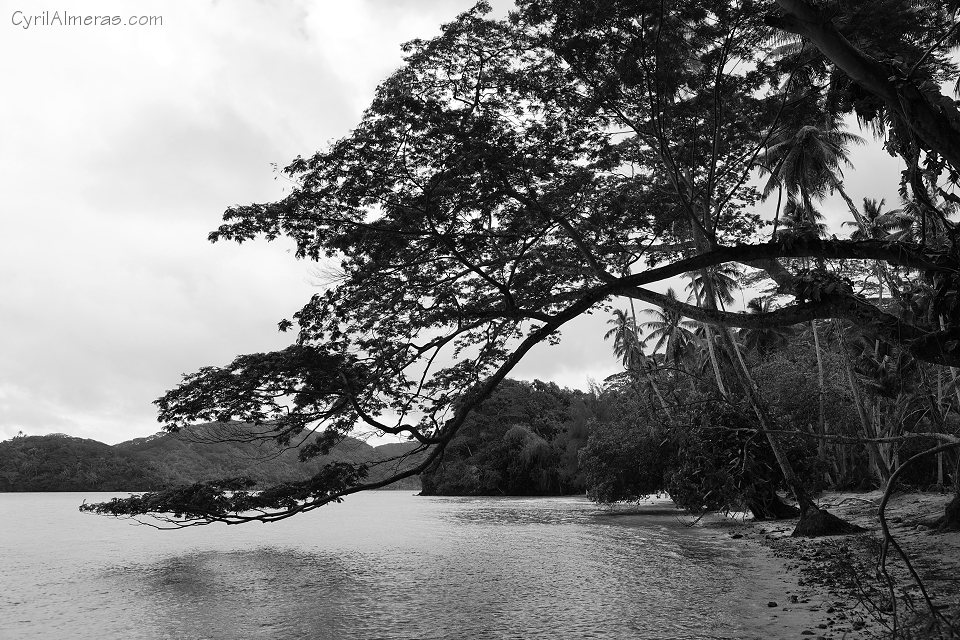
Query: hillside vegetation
(64, 463)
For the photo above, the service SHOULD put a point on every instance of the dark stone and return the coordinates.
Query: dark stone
(771, 604)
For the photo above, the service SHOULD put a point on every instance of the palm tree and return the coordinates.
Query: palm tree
(669, 331)
(867, 428)
(798, 219)
(709, 287)
(626, 339)
(876, 224)
(764, 340)
(808, 162)
(629, 348)
(722, 280)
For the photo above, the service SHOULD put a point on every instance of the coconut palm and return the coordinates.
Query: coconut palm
(798, 219)
(808, 162)
(721, 280)
(629, 348)
(669, 331)
(709, 287)
(766, 339)
(876, 224)
(626, 339)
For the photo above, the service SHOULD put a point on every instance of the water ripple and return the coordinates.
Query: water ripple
(384, 565)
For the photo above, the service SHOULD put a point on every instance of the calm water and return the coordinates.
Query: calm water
(380, 565)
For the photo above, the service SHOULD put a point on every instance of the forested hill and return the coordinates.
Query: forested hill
(63, 463)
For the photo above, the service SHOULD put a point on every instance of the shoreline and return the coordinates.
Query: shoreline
(837, 592)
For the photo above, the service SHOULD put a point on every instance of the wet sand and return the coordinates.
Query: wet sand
(829, 587)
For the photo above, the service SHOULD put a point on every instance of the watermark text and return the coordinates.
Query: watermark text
(65, 19)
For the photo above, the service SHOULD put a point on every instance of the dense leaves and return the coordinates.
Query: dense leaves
(514, 174)
(522, 440)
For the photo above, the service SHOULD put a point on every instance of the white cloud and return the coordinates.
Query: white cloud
(122, 147)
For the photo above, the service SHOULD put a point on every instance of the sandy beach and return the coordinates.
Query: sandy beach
(831, 588)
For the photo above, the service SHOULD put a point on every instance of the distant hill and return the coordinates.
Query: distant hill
(63, 463)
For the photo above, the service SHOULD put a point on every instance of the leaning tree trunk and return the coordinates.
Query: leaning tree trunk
(708, 336)
(764, 503)
(814, 521)
(759, 408)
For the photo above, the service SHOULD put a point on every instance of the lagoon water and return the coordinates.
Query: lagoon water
(386, 564)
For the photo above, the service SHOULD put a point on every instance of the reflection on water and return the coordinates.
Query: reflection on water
(382, 565)
(238, 594)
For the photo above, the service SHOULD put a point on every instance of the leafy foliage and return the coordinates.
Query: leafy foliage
(522, 440)
(515, 174)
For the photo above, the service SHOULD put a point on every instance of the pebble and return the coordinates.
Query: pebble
(771, 604)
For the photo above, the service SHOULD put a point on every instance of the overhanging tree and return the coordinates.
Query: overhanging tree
(514, 175)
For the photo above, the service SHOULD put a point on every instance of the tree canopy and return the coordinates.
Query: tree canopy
(517, 173)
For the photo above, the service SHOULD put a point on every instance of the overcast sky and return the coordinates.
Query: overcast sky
(121, 146)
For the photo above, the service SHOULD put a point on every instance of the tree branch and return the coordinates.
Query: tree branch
(933, 117)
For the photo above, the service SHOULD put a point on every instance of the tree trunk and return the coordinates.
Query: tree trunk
(940, 408)
(764, 504)
(708, 293)
(776, 216)
(814, 521)
(766, 423)
(857, 216)
(821, 393)
(928, 113)
(656, 392)
(877, 462)
(708, 336)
